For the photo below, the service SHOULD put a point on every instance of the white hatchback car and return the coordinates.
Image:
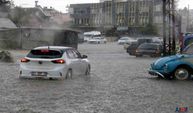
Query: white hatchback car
(54, 62)
(126, 40)
(98, 40)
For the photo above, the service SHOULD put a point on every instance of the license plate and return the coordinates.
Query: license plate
(42, 74)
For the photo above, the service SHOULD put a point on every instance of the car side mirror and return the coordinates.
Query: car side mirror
(84, 56)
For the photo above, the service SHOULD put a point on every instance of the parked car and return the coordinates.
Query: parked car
(98, 40)
(131, 49)
(126, 45)
(144, 40)
(54, 62)
(179, 66)
(151, 49)
(157, 40)
(139, 41)
(125, 40)
(90, 35)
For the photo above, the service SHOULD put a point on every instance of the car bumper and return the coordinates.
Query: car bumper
(56, 74)
(155, 73)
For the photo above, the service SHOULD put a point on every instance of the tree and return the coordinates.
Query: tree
(5, 5)
(150, 29)
(4, 2)
(17, 16)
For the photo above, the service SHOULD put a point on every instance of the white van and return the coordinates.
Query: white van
(90, 35)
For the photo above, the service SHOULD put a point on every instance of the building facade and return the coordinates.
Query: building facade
(108, 14)
(186, 20)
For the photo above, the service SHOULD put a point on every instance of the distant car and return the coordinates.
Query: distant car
(157, 40)
(151, 49)
(54, 62)
(90, 35)
(144, 40)
(131, 49)
(125, 40)
(179, 66)
(98, 40)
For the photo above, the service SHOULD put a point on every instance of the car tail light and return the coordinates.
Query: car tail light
(60, 61)
(24, 60)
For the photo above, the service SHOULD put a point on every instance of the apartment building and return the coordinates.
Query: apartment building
(109, 14)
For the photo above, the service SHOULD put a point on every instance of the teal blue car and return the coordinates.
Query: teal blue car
(179, 66)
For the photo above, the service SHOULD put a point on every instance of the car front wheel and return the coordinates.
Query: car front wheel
(87, 71)
(181, 73)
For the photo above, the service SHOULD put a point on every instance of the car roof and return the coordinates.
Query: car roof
(53, 47)
(150, 44)
(144, 38)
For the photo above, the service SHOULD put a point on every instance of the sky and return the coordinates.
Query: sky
(60, 5)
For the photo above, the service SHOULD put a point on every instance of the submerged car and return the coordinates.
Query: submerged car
(179, 66)
(151, 49)
(54, 62)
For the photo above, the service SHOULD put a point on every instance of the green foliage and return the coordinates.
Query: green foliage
(149, 29)
(5, 5)
(6, 56)
(111, 32)
(19, 16)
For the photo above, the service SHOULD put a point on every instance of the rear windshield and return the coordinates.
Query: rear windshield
(47, 54)
(148, 46)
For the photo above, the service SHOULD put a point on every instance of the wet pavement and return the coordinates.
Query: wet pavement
(118, 83)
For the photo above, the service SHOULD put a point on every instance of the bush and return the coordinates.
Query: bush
(5, 56)
(149, 29)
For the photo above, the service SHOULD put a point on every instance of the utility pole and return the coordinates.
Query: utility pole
(170, 25)
(164, 27)
(169, 14)
(173, 28)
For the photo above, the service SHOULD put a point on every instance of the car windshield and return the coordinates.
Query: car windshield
(88, 35)
(188, 50)
(94, 36)
(124, 38)
(45, 54)
(148, 46)
(97, 38)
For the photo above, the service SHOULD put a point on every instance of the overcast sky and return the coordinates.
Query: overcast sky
(60, 5)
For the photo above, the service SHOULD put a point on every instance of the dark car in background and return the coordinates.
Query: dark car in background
(144, 40)
(131, 49)
(150, 49)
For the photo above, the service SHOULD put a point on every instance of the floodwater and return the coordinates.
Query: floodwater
(118, 83)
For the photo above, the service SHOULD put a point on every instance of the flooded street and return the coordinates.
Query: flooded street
(118, 83)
